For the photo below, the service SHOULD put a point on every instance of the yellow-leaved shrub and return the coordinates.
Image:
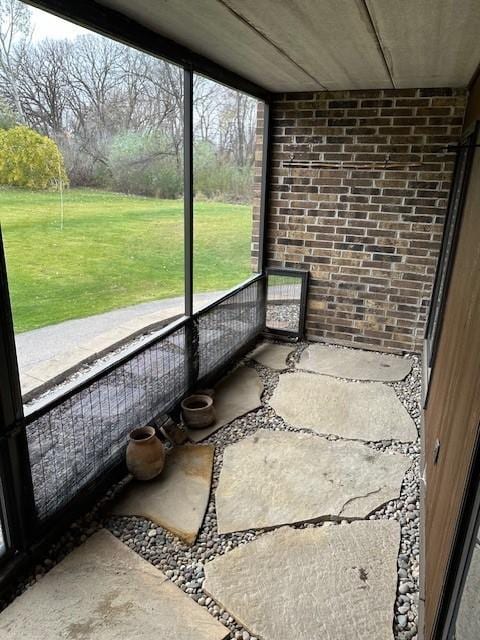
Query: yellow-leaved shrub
(30, 160)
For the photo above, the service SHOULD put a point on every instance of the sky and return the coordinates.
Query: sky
(47, 25)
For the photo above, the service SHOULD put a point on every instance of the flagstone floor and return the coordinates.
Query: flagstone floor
(310, 531)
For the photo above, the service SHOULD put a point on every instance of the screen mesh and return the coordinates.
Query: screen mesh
(223, 330)
(76, 440)
(84, 436)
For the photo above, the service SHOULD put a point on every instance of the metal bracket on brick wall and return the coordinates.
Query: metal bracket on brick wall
(388, 163)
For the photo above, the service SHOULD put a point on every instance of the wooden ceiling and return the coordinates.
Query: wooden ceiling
(305, 45)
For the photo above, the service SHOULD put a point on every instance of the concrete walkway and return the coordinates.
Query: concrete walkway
(49, 355)
(46, 354)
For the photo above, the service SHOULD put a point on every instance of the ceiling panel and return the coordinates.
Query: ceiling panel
(208, 27)
(429, 43)
(333, 40)
(307, 45)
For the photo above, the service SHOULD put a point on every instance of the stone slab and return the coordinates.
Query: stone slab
(354, 363)
(237, 394)
(335, 583)
(271, 355)
(353, 410)
(104, 590)
(178, 498)
(296, 477)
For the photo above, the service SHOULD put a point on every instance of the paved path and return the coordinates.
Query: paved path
(50, 354)
(43, 354)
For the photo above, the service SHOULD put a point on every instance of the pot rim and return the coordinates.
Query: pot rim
(199, 397)
(147, 430)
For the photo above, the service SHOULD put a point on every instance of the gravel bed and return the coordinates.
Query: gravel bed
(283, 315)
(184, 565)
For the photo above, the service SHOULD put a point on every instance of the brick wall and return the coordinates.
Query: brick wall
(369, 237)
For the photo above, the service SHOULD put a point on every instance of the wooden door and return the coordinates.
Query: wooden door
(452, 412)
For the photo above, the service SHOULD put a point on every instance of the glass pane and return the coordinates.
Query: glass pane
(468, 619)
(91, 192)
(227, 160)
(283, 303)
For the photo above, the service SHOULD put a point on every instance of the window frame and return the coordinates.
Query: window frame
(456, 201)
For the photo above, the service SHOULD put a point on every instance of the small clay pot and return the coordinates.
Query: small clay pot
(145, 454)
(198, 411)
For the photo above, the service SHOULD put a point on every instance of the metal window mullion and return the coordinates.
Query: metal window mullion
(191, 328)
(264, 200)
(264, 192)
(188, 186)
(17, 502)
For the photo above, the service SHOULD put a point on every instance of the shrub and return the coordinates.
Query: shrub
(216, 177)
(28, 159)
(144, 164)
(81, 169)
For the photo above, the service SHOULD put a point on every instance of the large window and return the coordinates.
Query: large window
(91, 190)
(227, 157)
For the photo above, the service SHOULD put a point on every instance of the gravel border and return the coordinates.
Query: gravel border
(184, 565)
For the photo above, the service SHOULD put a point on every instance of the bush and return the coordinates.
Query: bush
(81, 169)
(28, 159)
(218, 178)
(143, 164)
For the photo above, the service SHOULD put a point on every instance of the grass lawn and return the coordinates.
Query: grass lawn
(114, 251)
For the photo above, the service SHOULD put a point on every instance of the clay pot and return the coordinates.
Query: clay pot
(145, 454)
(198, 411)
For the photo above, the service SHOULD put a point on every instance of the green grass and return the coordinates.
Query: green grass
(114, 251)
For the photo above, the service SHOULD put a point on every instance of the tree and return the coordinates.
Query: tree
(116, 112)
(142, 164)
(14, 29)
(42, 86)
(28, 159)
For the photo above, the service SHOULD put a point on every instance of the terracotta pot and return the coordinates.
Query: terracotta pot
(145, 454)
(198, 411)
